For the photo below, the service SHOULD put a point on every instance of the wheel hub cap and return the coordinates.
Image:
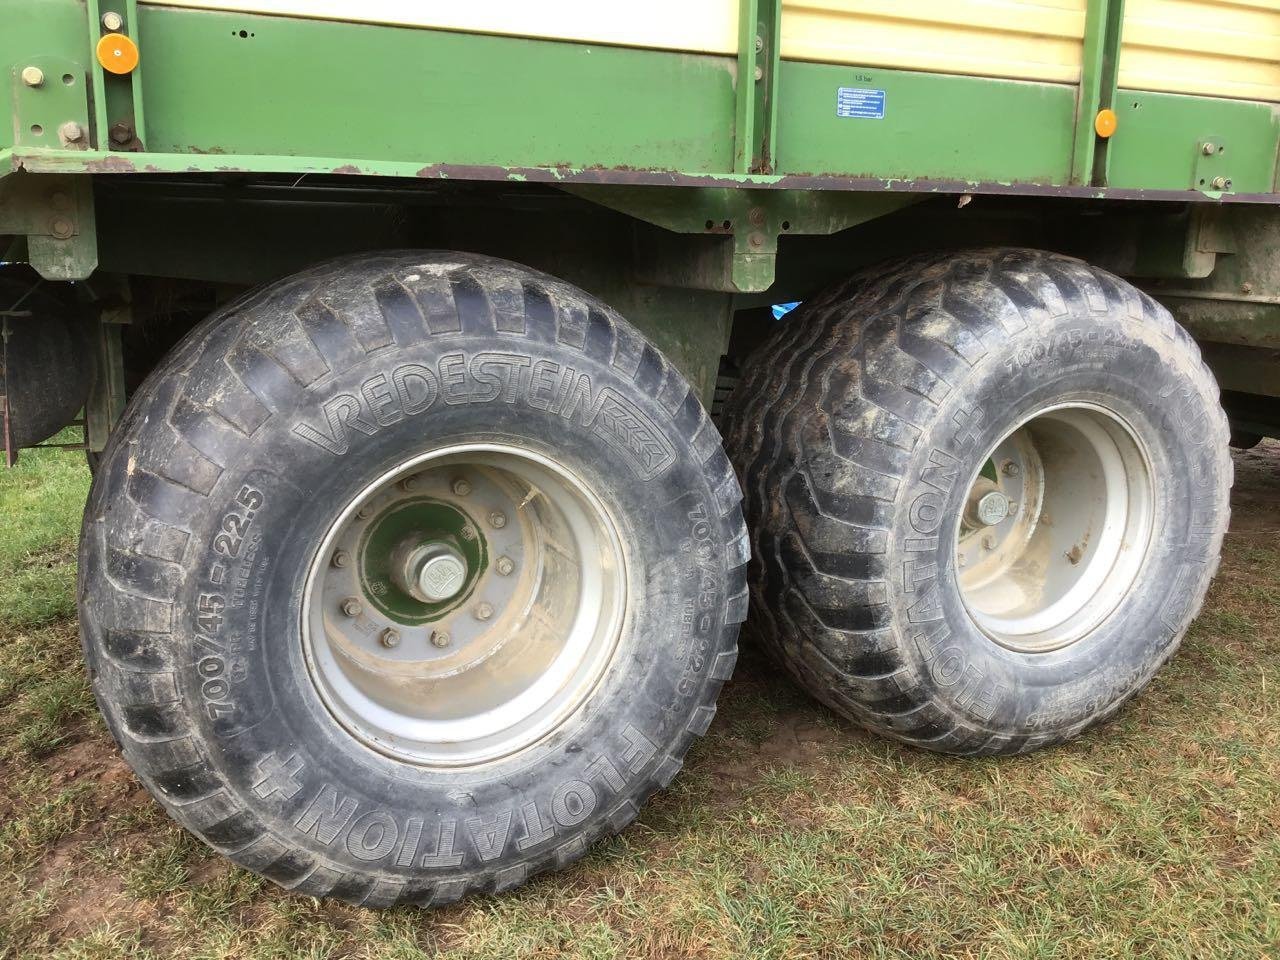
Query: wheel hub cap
(1056, 527)
(431, 571)
(463, 605)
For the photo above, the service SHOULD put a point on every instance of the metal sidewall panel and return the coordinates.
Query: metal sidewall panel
(1223, 48)
(258, 85)
(1017, 39)
(926, 126)
(703, 26)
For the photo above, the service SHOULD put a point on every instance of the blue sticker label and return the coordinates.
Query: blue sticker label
(860, 104)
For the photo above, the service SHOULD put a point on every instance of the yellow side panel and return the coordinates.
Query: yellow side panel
(703, 26)
(1224, 48)
(1019, 39)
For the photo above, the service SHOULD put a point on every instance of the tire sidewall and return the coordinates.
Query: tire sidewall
(1127, 369)
(245, 686)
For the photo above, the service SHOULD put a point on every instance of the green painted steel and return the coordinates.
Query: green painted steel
(745, 148)
(1105, 77)
(758, 63)
(1160, 142)
(935, 127)
(369, 93)
(221, 91)
(29, 31)
(1103, 19)
(56, 216)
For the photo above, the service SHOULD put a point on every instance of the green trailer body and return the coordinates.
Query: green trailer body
(728, 154)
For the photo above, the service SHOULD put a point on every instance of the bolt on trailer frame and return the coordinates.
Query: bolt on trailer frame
(728, 126)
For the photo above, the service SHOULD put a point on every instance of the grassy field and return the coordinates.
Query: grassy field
(790, 834)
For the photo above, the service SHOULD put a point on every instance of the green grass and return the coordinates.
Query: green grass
(790, 834)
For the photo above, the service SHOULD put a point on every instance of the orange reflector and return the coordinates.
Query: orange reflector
(117, 53)
(1105, 123)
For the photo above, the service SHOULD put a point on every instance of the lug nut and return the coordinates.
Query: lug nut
(498, 519)
(440, 638)
(32, 76)
(341, 558)
(352, 607)
(71, 132)
(1011, 469)
(390, 638)
(504, 566)
(364, 513)
(461, 487)
(484, 611)
(112, 21)
(408, 484)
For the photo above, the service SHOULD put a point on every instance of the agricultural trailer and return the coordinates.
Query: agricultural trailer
(443, 434)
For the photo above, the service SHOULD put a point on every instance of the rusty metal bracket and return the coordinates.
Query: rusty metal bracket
(55, 213)
(106, 401)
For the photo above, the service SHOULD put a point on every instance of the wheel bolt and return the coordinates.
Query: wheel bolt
(341, 558)
(390, 638)
(484, 611)
(504, 566)
(352, 607)
(1011, 469)
(408, 484)
(364, 513)
(461, 487)
(498, 519)
(468, 532)
(439, 638)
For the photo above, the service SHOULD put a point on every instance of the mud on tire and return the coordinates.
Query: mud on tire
(856, 431)
(272, 413)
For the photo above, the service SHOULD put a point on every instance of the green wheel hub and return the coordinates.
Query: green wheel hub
(409, 535)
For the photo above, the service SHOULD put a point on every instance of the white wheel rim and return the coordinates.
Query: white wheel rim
(1078, 485)
(502, 664)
